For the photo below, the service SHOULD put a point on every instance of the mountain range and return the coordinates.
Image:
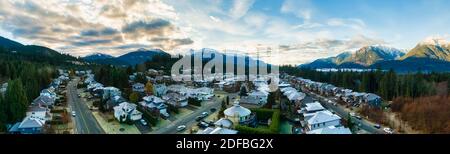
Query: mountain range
(34, 52)
(429, 55)
(131, 58)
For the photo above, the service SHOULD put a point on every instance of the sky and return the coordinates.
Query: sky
(277, 31)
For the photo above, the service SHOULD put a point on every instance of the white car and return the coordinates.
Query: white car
(352, 114)
(181, 128)
(388, 130)
(143, 122)
(74, 114)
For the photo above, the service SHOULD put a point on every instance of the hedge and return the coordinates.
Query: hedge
(263, 114)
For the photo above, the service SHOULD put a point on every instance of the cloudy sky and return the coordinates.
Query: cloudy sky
(283, 31)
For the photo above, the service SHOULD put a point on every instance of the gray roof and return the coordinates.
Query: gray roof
(323, 116)
(330, 130)
(236, 109)
(31, 122)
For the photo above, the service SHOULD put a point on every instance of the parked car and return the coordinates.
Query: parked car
(199, 118)
(204, 114)
(358, 117)
(203, 125)
(352, 114)
(143, 122)
(388, 130)
(74, 114)
(213, 109)
(377, 126)
(181, 128)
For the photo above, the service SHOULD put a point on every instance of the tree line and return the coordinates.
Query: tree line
(25, 81)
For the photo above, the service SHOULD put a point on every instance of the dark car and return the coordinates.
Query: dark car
(377, 126)
(213, 109)
(199, 118)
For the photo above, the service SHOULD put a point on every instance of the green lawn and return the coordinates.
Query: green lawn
(115, 127)
(285, 127)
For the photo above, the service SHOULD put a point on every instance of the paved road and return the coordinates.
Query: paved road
(189, 120)
(85, 122)
(365, 125)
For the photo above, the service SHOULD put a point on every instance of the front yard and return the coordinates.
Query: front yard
(113, 126)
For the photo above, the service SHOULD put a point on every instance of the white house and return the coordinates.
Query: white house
(203, 93)
(138, 87)
(237, 113)
(127, 111)
(331, 130)
(155, 103)
(322, 119)
(259, 95)
(314, 107)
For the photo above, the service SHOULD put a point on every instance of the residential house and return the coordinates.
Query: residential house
(293, 95)
(127, 111)
(372, 99)
(39, 112)
(113, 101)
(153, 103)
(224, 123)
(322, 119)
(239, 115)
(217, 130)
(138, 87)
(159, 89)
(310, 110)
(175, 99)
(331, 130)
(255, 98)
(44, 101)
(313, 107)
(109, 92)
(203, 93)
(29, 125)
(153, 72)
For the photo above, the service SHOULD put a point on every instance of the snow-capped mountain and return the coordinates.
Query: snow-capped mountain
(434, 48)
(365, 56)
(97, 56)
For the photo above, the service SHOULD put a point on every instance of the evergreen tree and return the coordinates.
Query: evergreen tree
(16, 101)
(3, 116)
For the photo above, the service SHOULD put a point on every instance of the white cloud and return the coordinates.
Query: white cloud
(300, 8)
(240, 8)
(215, 19)
(354, 23)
